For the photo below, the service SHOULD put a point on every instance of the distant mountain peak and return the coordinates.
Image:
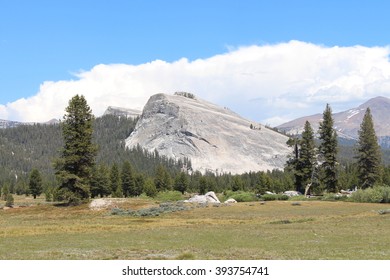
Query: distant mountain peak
(347, 123)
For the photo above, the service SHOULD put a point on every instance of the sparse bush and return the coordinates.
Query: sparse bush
(151, 212)
(185, 94)
(10, 200)
(281, 222)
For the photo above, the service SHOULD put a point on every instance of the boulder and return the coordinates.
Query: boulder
(230, 200)
(209, 197)
(292, 193)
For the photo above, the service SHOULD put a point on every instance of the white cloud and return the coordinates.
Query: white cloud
(268, 83)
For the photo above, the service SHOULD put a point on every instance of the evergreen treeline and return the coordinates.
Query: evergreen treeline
(28, 149)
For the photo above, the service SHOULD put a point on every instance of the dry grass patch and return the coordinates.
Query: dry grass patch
(276, 230)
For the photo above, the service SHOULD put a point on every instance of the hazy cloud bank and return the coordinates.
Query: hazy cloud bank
(268, 83)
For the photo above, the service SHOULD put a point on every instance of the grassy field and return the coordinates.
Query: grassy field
(274, 230)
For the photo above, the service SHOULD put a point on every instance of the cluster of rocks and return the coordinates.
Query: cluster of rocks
(209, 197)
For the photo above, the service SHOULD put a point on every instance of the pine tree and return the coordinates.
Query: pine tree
(74, 168)
(202, 185)
(115, 181)
(368, 153)
(181, 182)
(262, 183)
(139, 185)
(292, 165)
(162, 180)
(328, 151)
(128, 180)
(5, 191)
(9, 200)
(35, 183)
(303, 161)
(307, 158)
(100, 182)
(149, 188)
(237, 183)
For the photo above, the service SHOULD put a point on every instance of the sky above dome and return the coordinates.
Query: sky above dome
(270, 61)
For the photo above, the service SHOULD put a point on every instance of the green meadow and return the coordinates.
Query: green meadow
(272, 230)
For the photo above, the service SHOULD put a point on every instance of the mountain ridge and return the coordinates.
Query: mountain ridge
(347, 123)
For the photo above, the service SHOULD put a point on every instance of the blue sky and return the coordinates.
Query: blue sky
(54, 41)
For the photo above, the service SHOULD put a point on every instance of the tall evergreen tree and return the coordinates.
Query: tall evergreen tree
(302, 162)
(115, 181)
(162, 180)
(181, 182)
(149, 188)
(128, 179)
(139, 185)
(293, 164)
(35, 183)
(74, 167)
(328, 151)
(368, 153)
(307, 157)
(100, 182)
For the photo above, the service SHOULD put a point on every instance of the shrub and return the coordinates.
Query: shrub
(240, 196)
(283, 197)
(169, 196)
(334, 197)
(185, 94)
(377, 194)
(9, 201)
(151, 212)
(270, 197)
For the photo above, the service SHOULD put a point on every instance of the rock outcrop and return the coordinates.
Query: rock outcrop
(209, 197)
(123, 112)
(214, 138)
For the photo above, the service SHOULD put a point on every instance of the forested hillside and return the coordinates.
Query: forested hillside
(37, 146)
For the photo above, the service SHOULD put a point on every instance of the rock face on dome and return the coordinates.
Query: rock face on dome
(214, 138)
(122, 112)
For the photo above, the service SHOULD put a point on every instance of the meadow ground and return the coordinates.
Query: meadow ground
(274, 230)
